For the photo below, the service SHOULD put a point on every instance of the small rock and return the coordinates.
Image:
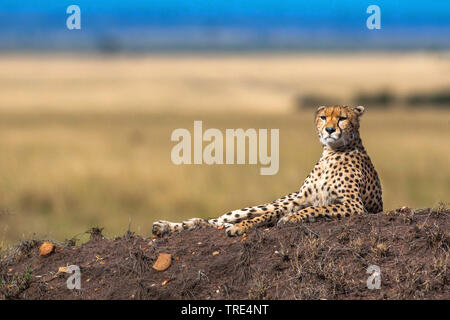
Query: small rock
(62, 270)
(165, 282)
(163, 262)
(215, 253)
(46, 248)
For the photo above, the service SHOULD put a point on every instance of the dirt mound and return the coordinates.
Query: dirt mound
(321, 260)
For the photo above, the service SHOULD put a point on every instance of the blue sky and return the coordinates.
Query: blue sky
(436, 12)
(28, 23)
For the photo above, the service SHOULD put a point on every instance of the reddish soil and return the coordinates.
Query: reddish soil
(321, 260)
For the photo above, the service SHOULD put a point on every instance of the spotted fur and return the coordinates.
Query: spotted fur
(342, 183)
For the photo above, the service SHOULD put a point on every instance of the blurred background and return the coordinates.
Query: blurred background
(86, 115)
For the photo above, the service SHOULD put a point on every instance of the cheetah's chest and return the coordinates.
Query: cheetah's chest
(322, 187)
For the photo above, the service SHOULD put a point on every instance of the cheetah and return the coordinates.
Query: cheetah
(342, 183)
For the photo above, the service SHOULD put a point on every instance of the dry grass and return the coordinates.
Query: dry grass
(173, 83)
(87, 142)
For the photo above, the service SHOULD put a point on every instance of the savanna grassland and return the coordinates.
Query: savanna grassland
(85, 141)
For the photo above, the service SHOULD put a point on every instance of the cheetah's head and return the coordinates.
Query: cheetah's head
(338, 125)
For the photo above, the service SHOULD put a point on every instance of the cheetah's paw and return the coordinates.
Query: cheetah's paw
(160, 228)
(219, 223)
(235, 230)
(286, 220)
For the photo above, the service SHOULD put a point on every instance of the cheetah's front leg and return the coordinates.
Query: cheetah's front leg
(243, 226)
(267, 214)
(338, 210)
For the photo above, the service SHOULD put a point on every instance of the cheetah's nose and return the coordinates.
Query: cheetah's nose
(330, 130)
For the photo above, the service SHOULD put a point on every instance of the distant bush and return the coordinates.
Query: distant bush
(310, 101)
(383, 98)
(108, 44)
(380, 99)
(439, 99)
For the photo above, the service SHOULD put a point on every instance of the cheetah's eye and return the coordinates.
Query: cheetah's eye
(342, 118)
(323, 117)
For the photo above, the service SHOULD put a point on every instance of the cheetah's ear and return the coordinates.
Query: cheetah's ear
(359, 110)
(320, 108)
